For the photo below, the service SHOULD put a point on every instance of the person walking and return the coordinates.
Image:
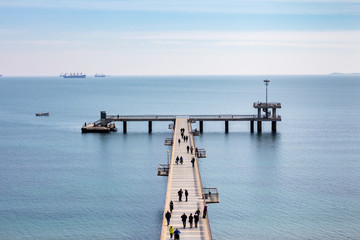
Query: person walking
(198, 212)
(177, 160)
(168, 216)
(183, 219)
(193, 161)
(171, 231)
(177, 234)
(187, 148)
(191, 149)
(191, 220)
(181, 160)
(180, 193)
(196, 219)
(186, 195)
(171, 206)
(205, 212)
(179, 141)
(186, 138)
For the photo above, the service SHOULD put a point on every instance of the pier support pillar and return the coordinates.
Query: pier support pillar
(124, 127)
(274, 112)
(226, 126)
(150, 126)
(252, 126)
(259, 126)
(259, 112)
(201, 126)
(273, 126)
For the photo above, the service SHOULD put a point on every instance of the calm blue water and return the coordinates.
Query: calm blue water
(301, 183)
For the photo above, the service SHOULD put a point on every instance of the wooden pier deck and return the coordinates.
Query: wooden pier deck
(184, 176)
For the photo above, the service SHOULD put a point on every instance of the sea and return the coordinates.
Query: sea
(302, 182)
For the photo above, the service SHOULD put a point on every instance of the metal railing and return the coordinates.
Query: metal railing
(269, 104)
(168, 141)
(211, 195)
(201, 153)
(163, 170)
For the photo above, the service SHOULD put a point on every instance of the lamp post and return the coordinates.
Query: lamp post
(168, 157)
(266, 81)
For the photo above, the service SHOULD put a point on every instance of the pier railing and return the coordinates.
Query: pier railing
(192, 118)
(168, 141)
(163, 169)
(211, 195)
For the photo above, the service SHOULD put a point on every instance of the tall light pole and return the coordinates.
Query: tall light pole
(168, 157)
(266, 81)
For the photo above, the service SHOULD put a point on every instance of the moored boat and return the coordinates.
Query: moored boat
(42, 114)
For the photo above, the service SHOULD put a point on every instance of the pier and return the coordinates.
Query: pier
(266, 112)
(184, 176)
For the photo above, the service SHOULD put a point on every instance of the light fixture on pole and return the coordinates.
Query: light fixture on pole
(168, 157)
(266, 81)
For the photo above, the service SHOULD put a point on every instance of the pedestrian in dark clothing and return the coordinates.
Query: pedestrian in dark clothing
(177, 160)
(186, 195)
(179, 141)
(187, 148)
(183, 218)
(191, 149)
(182, 134)
(180, 192)
(196, 219)
(205, 212)
(186, 138)
(168, 216)
(198, 212)
(193, 161)
(181, 160)
(177, 234)
(171, 206)
(191, 220)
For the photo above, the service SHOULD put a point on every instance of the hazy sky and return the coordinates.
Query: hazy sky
(179, 37)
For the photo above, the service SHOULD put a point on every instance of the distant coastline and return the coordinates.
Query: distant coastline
(337, 73)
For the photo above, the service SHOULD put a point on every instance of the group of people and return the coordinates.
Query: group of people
(180, 193)
(177, 160)
(191, 219)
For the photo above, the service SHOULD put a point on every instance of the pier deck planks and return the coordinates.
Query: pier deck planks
(184, 176)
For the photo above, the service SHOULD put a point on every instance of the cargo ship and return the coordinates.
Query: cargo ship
(73, 75)
(100, 75)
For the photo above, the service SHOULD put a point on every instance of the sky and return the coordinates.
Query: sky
(179, 37)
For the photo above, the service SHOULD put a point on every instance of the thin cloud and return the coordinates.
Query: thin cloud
(210, 6)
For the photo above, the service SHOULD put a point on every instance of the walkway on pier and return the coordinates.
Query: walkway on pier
(184, 176)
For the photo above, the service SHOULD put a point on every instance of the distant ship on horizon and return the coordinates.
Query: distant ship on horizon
(73, 75)
(100, 75)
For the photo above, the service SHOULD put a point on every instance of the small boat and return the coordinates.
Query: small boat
(42, 114)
